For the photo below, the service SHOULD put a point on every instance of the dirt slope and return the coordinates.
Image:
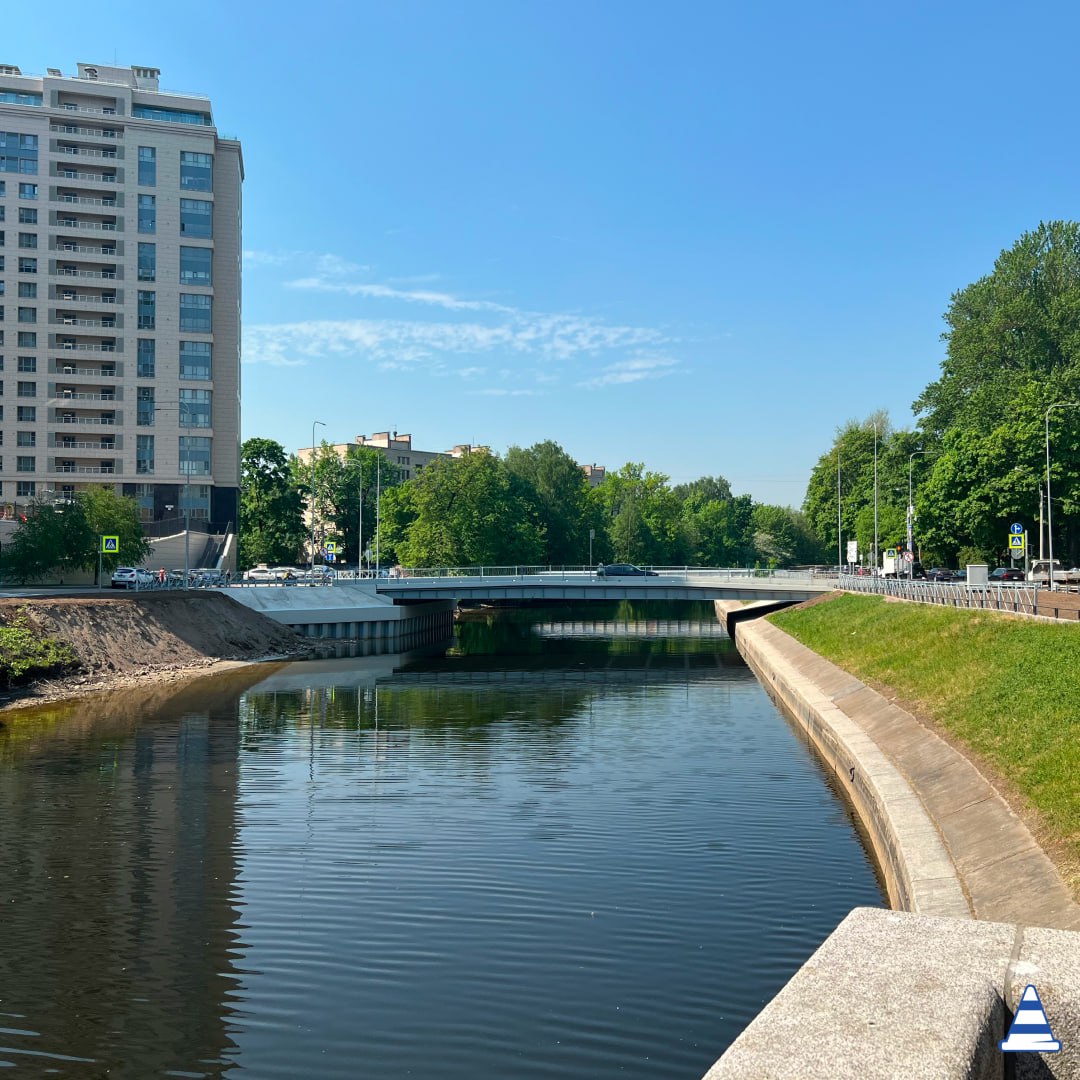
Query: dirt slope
(120, 638)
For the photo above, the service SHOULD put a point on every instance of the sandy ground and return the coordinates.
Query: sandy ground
(155, 638)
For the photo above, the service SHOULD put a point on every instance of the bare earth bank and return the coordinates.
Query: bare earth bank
(153, 638)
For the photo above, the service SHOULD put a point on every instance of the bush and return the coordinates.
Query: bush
(24, 655)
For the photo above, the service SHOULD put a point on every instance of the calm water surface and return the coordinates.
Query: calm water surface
(579, 844)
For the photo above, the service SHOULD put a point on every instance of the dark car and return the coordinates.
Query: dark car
(624, 570)
(940, 573)
(1005, 573)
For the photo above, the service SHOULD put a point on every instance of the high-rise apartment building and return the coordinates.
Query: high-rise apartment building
(120, 225)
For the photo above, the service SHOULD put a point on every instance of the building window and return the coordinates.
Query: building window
(27, 240)
(147, 358)
(27, 265)
(28, 215)
(28, 314)
(196, 266)
(144, 416)
(28, 364)
(197, 219)
(26, 438)
(20, 97)
(196, 360)
(27, 389)
(195, 313)
(196, 171)
(147, 262)
(147, 309)
(195, 408)
(147, 214)
(27, 339)
(25, 489)
(27, 191)
(174, 116)
(26, 463)
(27, 290)
(144, 453)
(27, 414)
(18, 153)
(147, 166)
(195, 455)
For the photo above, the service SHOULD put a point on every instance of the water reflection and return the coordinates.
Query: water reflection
(578, 843)
(117, 883)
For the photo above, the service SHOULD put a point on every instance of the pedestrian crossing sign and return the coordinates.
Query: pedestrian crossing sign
(331, 547)
(110, 545)
(1016, 542)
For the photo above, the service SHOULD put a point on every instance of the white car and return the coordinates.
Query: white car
(132, 577)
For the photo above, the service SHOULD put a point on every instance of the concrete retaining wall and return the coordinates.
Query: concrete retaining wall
(892, 995)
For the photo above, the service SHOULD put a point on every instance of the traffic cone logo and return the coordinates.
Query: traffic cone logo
(1030, 1029)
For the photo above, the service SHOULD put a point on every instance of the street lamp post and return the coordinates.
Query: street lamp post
(1049, 510)
(314, 424)
(875, 495)
(911, 513)
(839, 525)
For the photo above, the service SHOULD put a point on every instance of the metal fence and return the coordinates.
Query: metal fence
(1022, 598)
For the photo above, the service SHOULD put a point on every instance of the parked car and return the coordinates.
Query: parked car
(1005, 573)
(131, 577)
(940, 573)
(624, 570)
(961, 574)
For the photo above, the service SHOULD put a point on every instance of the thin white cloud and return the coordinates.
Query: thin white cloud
(633, 370)
(493, 391)
(386, 292)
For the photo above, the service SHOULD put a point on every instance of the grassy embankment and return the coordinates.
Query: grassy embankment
(1003, 687)
(24, 655)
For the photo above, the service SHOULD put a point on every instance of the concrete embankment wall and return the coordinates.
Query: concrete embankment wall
(928, 994)
(350, 611)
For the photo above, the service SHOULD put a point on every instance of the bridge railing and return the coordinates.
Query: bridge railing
(1020, 597)
(579, 573)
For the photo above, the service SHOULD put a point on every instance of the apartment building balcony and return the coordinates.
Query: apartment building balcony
(73, 271)
(69, 417)
(85, 468)
(63, 395)
(67, 318)
(93, 224)
(76, 128)
(110, 248)
(107, 154)
(104, 370)
(94, 109)
(84, 198)
(74, 295)
(99, 444)
(84, 176)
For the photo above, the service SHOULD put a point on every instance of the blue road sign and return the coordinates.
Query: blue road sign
(1016, 528)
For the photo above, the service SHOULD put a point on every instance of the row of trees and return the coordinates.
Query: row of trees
(977, 453)
(533, 506)
(55, 539)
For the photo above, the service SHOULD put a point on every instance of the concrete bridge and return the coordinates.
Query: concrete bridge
(528, 583)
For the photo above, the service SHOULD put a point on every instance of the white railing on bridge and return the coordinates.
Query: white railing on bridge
(1020, 596)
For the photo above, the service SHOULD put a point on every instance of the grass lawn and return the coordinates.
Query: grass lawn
(1007, 688)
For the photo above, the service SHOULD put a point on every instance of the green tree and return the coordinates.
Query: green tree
(557, 491)
(271, 512)
(463, 511)
(720, 531)
(783, 537)
(57, 538)
(641, 517)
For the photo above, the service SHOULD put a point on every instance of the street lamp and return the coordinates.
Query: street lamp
(911, 513)
(839, 525)
(875, 495)
(1049, 509)
(314, 424)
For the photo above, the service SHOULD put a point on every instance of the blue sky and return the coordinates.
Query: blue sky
(698, 235)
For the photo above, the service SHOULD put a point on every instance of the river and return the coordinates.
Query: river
(578, 843)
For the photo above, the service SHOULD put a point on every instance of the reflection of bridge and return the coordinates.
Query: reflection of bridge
(526, 584)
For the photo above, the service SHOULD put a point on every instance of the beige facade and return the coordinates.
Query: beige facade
(397, 449)
(120, 294)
